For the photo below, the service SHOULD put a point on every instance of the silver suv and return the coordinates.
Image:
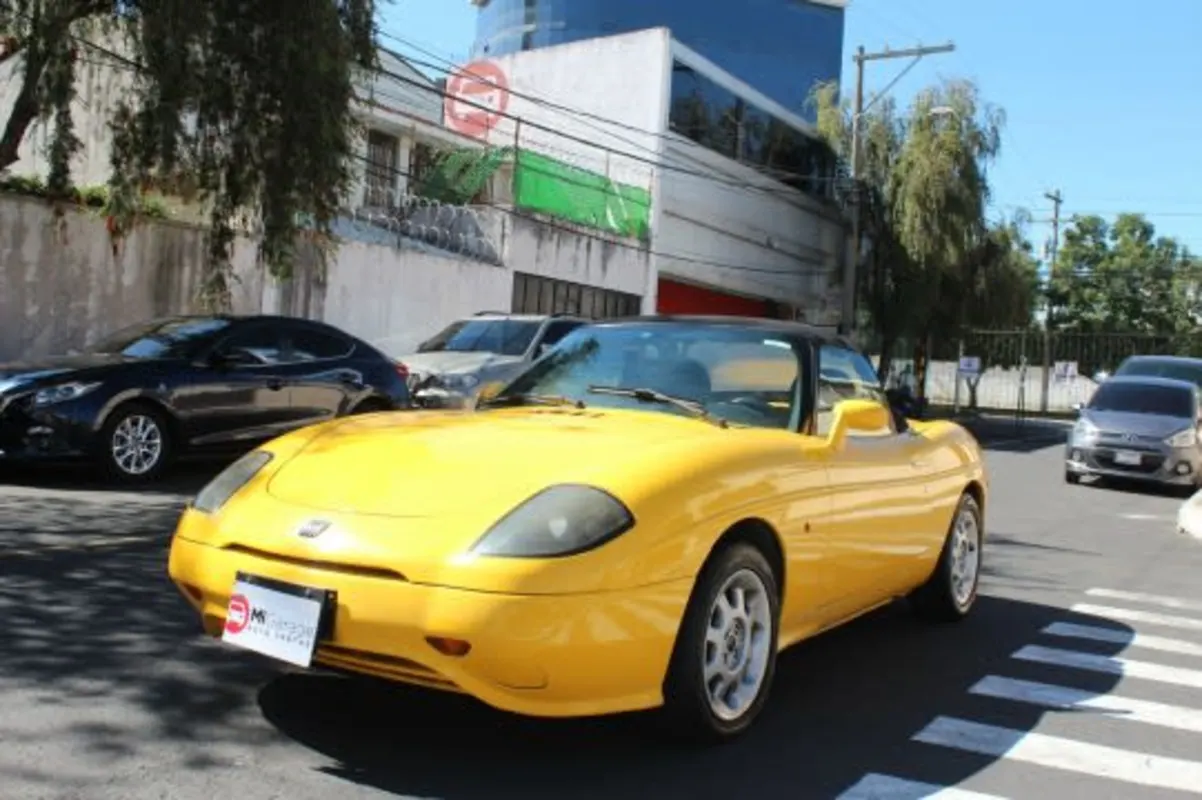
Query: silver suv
(452, 365)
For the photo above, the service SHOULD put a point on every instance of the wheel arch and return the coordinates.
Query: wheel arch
(174, 424)
(761, 535)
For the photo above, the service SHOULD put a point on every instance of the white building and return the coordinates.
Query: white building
(736, 188)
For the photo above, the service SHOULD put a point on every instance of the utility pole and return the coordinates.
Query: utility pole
(847, 324)
(1056, 199)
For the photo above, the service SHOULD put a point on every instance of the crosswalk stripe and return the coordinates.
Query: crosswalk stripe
(1064, 754)
(1130, 615)
(874, 786)
(1110, 665)
(1108, 705)
(1175, 603)
(1068, 630)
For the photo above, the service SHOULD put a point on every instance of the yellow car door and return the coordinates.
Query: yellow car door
(880, 506)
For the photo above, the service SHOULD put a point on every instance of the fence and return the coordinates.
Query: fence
(1030, 371)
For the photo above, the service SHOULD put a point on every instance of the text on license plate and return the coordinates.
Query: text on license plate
(282, 622)
(1127, 457)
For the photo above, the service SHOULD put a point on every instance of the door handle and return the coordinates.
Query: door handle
(918, 463)
(275, 384)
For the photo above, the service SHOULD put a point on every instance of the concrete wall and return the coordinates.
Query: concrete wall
(62, 285)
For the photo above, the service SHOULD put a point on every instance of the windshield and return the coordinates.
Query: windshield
(1178, 370)
(734, 373)
(1143, 398)
(173, 338)
(507, 337)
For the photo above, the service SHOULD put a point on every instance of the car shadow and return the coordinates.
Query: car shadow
(1145, 488)
(186, 477)
(838, 712)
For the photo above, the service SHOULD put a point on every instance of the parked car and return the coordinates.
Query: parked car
(156, 390)
(449, 367)
(1180, 367)
(692, 482)
(1146, 428)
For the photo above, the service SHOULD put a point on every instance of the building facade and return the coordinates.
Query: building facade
(779, 47)
(731, 191)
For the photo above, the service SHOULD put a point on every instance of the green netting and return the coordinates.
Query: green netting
(460, 174)
(552, 187)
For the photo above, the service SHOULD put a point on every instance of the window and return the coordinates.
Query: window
(843, 374)
(171, 338)
(262, 342)
(534, 294)
(737, 374)
(312, 344)
(716, 118)
(508, 337)
(383, 151)
(1143, 398)
(559, 329)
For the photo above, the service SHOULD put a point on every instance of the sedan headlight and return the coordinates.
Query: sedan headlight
(219, 490)
(560, 521)
(1185, 438)
(1085, 429)
(460, 382)
(62, 393)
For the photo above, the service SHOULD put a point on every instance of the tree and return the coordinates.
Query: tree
(245, 107)
(1123, 278)
(924, 190)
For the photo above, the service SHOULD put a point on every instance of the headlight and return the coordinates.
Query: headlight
(1085, 429)
(460, 382)
(62, 393)
(560, 521)
(1185, 438)
(232, 478)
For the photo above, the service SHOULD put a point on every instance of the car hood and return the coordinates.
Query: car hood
(448, 362)
(27, 373)
(423, 465)
(1152, 425)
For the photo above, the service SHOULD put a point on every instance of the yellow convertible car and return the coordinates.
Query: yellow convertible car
(644, 518)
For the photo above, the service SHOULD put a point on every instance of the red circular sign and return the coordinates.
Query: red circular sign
(477, 97)
(238, 615)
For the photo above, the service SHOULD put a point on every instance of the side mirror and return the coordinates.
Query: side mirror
(857, 416)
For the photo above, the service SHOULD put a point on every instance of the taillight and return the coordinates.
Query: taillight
(402, 370)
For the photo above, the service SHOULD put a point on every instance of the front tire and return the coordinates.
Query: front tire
(725, 655)
(135, 443)
(950, 592)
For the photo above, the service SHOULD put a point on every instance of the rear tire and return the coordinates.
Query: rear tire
(950, 592)
(135, 443)
(725, 656)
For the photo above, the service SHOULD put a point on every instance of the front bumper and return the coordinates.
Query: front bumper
(1157, 462)
(61, 431)
(539, 655)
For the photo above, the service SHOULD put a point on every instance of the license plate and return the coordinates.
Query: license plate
(276, 619)
(1127, 457)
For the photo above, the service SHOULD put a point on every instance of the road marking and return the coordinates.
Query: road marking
(874, 786)
(1111, 706)
(1117, 636)
(1149, 517)
(1130, 615)
(1110, 665)
(1174, 603)
(1064, 754)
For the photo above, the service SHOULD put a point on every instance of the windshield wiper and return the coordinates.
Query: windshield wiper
(533, 400)
(644, 395)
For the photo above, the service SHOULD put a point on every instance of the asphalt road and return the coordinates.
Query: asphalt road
(108, 691)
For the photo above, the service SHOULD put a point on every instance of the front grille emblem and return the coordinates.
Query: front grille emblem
(312, 529)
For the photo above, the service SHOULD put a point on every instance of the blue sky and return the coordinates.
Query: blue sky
(1101, 96)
